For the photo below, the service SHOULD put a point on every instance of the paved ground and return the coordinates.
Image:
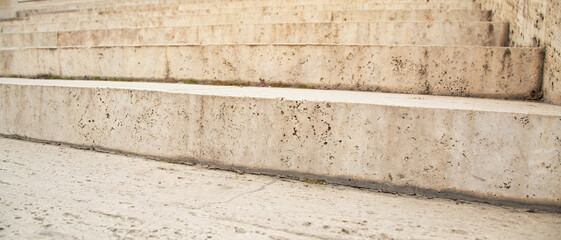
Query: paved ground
(56, 192)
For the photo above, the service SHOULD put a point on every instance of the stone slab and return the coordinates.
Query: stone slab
(535, 23)
(440, 70)
(384, 33)
(7, 10)
(159, 19)
(489, 149)
(59, 192)
(256, 6)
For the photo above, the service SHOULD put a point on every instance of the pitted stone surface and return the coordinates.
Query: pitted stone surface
(162, 18)
(535, 23)
(252, 6)
(492, 149)
(439, 70)
(379, 33)
(63, 193)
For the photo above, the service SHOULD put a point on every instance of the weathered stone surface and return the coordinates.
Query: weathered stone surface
(43, 39)
(60, 192)
(535, 23)
(251, 6)
(284, 16)
(7, 10)
(158, 19)
(552, 66)
(501, 150)
(386, 33)
(459, 71)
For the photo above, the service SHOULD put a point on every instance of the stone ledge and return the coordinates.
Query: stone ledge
(487, 149)
(494, 72)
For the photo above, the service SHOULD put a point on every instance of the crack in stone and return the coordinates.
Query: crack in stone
(237, 196)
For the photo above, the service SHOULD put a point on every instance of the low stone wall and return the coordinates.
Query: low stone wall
(535, 23)
(513, 73)
(487, 149)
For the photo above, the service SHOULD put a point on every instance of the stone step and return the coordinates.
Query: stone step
(101, 15)
(495, 72)
(175, 19)
(255, 6)
(496, 150)
(214, 3)
(384, 33)
(77, 187)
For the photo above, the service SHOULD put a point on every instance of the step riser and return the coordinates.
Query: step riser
(459, 71)
(255, 18)
(196, 9)
(500, 156)
(215, 4)
(379, 15)
(386, 33)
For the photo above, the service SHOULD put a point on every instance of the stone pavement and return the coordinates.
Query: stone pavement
(57, 192)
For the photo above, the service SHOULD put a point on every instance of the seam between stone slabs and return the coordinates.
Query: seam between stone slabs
(268, 44)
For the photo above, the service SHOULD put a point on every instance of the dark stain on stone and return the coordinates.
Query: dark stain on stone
(506, 57)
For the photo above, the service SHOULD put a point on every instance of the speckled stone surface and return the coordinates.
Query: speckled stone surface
(6, 9)
(54, 192)
(250, 6)
(377, 33)
(169, 18)
(535, 23)
(491, 149)
(494, 72)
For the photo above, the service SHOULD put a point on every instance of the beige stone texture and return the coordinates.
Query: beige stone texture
(384, 33)
(493, 149)
(338, 15)
(250, 6)
(454, 70)
(552, 66)
(287, 16)
(57, 192)
(31, 61)
(16, 40)
(159, 19)
(535, 23)
(7, 9)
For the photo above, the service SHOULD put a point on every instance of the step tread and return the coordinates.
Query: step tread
(383, 33)
(439, 70)
(317, 95)
(490, 150)
(215, 203)
(221, 8)
(295, 16)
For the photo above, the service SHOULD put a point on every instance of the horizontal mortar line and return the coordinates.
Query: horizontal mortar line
(268, 44)
(253, 11)
(268, 14)
(40, 2)
(242, 24)
(262, 24)
(99, 13)
(436, 10)
(207, 6)
(469, 104)
(298, 11)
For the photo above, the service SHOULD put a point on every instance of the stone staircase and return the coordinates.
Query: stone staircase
(408, 95)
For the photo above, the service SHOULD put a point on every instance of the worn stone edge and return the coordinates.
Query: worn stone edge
(460, 197)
